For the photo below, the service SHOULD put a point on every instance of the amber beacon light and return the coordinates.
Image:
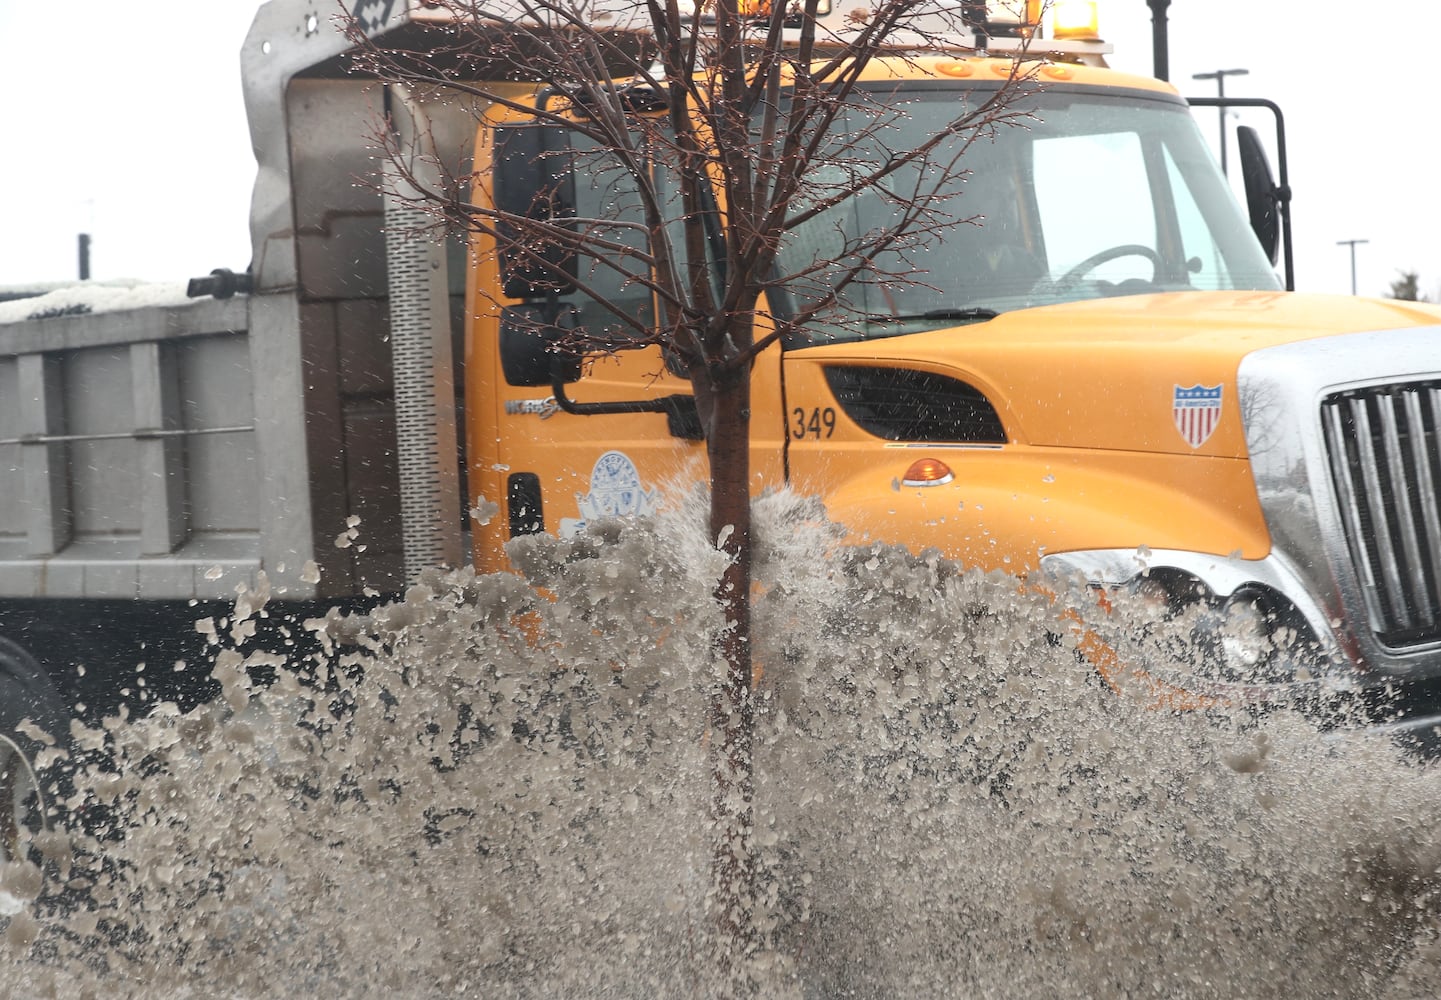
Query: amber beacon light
(1076, 19)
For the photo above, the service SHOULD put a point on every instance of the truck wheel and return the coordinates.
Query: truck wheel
(26, 692)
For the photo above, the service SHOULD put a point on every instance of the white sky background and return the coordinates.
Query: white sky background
(126, 120)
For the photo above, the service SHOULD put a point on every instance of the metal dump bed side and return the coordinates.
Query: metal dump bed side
(128, 449)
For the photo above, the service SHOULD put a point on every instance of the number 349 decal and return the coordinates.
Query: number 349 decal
(813, 423)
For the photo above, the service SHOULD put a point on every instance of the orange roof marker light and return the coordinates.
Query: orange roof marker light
(927, 472)
(1076, 19)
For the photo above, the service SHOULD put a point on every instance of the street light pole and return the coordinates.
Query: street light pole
(1220, 77)
(1160, 47)
(1352, 245)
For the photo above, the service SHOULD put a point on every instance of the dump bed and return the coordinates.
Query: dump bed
(164, 452)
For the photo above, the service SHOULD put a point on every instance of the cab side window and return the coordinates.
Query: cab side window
(562, 180)
(613, 266)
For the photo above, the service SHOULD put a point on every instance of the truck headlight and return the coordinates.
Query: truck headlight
(1251, 638)
(1216, 627)
(1245, 636)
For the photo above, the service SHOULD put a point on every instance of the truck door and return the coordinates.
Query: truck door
(546, 469)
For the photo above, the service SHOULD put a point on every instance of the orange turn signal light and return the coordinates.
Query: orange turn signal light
(928, 472)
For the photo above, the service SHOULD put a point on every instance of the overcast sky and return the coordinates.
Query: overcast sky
(125, 120)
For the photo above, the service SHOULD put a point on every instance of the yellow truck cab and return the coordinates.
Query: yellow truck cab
(1097, 373)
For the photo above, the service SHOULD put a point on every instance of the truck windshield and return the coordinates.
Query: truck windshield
(1090, 195)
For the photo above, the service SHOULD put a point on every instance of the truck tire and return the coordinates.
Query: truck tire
(26, 692)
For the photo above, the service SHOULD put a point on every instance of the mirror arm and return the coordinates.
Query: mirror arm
(680, 410)
(1282, 189)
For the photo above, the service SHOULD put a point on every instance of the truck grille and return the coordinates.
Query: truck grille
(1385, 459)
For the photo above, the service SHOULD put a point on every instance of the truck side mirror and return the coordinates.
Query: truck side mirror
(1263, 198)
(534, 181)
(529, 346)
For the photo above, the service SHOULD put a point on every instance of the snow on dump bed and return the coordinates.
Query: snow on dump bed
(44, 302)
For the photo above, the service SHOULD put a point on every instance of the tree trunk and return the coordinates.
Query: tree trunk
(732, 703)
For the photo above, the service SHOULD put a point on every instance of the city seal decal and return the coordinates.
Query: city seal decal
(1196, 411)
(615, 491)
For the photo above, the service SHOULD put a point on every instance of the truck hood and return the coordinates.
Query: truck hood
(1111, 373)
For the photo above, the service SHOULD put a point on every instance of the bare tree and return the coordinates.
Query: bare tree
(1406, 287)
(743, 131)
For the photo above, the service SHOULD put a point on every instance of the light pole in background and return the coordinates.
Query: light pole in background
(1160, 45)
(1220, 77)
(1352, 245)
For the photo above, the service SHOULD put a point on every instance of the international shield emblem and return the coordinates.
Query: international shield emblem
(1197, 411)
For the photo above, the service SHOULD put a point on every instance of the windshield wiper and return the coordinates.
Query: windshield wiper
(968, 313)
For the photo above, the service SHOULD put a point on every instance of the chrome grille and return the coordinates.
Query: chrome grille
(1385, 460)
